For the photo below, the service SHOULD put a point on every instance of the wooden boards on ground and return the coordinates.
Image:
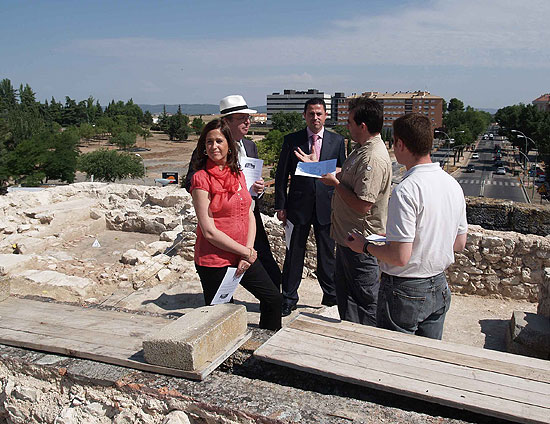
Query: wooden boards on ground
(484, 381)
(101, 335)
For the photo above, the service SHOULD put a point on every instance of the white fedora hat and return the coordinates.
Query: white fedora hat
(234, 104)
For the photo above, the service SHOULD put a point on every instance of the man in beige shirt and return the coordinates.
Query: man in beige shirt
(360, 205)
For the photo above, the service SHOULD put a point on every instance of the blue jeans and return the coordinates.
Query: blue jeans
(414, 305)
(357, 282)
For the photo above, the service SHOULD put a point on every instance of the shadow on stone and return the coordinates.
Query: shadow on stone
(171, 302)
(495, 333)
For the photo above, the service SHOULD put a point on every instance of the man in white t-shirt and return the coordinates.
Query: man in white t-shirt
(426, 225)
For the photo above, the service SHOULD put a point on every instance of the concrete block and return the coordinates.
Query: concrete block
(529, 335)
(198, 337)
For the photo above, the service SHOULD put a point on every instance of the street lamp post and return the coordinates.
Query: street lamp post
(448, 139)
(525, 167)
(524, 136)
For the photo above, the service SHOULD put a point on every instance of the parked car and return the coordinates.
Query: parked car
(470, 168)
(501, 170)
(475, 155)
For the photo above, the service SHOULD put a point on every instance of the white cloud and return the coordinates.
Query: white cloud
(478, 50)
(466, 33)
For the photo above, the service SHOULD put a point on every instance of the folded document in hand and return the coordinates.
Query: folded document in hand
(316, 169)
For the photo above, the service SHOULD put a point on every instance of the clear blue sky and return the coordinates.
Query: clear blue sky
(488, 53)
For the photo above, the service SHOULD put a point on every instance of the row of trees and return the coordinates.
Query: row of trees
(39, 141)
(529, 120)
(464, 124)
(177, 126)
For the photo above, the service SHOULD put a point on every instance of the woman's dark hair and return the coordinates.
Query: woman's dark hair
(232, 155)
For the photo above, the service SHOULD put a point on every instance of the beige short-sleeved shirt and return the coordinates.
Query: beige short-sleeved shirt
(367, 172)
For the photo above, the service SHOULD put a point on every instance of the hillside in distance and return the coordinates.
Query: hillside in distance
(191, 109)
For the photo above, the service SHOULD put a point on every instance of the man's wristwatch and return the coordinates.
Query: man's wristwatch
(365, 246)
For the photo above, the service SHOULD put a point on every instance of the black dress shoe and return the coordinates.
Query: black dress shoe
(287, 309)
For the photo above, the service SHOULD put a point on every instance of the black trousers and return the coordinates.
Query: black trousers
(357, 285)
(294, 262)
(261, 244)
(256, 281)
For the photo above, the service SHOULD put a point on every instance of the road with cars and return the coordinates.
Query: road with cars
(484, 180)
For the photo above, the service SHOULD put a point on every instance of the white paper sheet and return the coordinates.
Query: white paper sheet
(288, 233)
(227, 287)
(316, 169)
(252, 170)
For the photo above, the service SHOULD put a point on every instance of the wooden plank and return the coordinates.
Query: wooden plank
(294, 350)
(425, 370)
(379, 359)
(422, 341)
(98, 318)
(91, 334)
(537, 370)
(129, 341)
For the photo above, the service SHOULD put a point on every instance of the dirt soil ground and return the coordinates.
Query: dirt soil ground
(159, 155)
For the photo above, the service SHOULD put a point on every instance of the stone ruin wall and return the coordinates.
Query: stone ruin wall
(504, 264)
(495, 263)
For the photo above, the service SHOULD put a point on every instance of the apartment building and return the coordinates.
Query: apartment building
(293, 101)
(399, 103)
(542, 102)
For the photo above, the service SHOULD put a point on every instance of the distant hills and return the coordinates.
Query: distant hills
(191, 109)
(486, 109)
(209, 109)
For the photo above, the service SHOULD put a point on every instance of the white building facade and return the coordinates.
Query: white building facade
(293, 101)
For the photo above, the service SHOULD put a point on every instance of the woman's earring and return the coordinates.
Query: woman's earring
(229, 151)
(205, 154)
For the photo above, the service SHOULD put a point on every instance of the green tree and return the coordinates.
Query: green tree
(287, 122)
(110, 165)
(8, 94)
(124, 140)
(145, 134)
(455, 104)
(163, 120)
(344, 132)
(25, 161)
(55, 111)
(197, 125)
(178, 128)
(60, 158)
(147, 119)
(269, 149)
(86, 131)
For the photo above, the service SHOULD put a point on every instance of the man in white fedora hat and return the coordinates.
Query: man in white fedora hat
(236, 113)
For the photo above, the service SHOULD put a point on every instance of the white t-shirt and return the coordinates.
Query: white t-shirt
(428, 209)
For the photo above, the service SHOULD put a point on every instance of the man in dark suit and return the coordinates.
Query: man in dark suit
(236, 113)
(307, 202)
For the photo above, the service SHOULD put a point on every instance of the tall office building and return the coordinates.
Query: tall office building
(293, 101)
(399, 103)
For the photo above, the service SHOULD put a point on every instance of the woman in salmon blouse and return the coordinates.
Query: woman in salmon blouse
(226, 226)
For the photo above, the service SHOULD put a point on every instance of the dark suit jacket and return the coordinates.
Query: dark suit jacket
(306, 195)
(249, 146)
